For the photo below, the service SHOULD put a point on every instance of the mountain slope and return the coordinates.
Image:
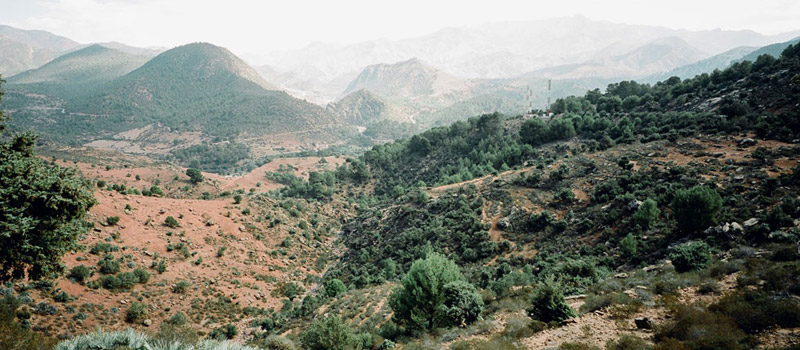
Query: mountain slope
(404, 80)
(363, 108)
(21, 50)
(83, 69)
(190, 93)
(204, 86)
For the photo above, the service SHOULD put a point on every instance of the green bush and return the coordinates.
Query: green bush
(80, 273)
(646, 213)
(178, 319)
(628, 342)
(418, 302)
(334, 287)
(755, 311)
(696, 209)
(690, 256)
(276, 342)
(136, 313)
(548, 304)
(108, 265)
(228, 331)
(628, 246)
(171, 222)
(695, 328)
(112, 220)
(181, 287)
(462, 303)
(195, 176)
(328, 334)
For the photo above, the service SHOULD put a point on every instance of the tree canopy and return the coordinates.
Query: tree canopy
(42, 210)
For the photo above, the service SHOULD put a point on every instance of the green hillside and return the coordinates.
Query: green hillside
(77, 73)
(195, 87)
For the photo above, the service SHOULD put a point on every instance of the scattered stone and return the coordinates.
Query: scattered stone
(750, 222)
(643, 323)
(147, 323)
(503, 223)
(634, 204)
(621, 275)
(747, 142)
(97, 229)
(162, 211)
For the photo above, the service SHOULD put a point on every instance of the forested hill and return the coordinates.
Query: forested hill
(759, 97)
(195, 87)
(206, 87)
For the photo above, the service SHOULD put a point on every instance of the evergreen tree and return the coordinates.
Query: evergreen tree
(42, 210)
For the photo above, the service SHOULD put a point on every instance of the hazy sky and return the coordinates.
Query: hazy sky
(260, 26)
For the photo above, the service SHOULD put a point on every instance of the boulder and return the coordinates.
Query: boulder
(747, 142)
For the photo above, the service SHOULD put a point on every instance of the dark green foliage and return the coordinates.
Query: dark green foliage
(756, 311)
(228, 331)
(195, 176)
(462, 303)
(450, 223)
(328, 334)
(42, 210)
(646, 213)
(548, 304)
(181, 287)
(628, 246)
(178, 319)
(14, 335)
(690, 256)
(103, 247)
(628, 342)
(334, 287)
(171, 222)
(696, 209)
(693, 327)
(136, 313)
(418, 303)
(108, 265)
(237, 199)
(80, 273)
(112, 220)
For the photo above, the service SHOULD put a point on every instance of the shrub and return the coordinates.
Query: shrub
(103, 247)
(696, 208)
(195, 176)
(237, 199)
(646, 213)
(142, 275)
(548, 304)
(228, 331)
(171, 222)
(178, 319)
(690, 256)
(693, 327)
(755, 311)
(327, 334)
(108, 265)
(628, 246)
(334, 287)
(276, 342)
(136, 313)
(181, 287)
(462, 303)
(628, 342)
(110, 282)
(80, 273)
(112, 220)
(418, 302)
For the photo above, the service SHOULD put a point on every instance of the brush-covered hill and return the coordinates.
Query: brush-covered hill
(197, 88)
(78, 72)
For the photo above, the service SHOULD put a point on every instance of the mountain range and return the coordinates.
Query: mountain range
(105, 92)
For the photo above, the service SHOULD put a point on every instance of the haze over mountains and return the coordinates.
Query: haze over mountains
(148, 99)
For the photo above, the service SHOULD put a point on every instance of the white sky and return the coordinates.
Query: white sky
(261, 26)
